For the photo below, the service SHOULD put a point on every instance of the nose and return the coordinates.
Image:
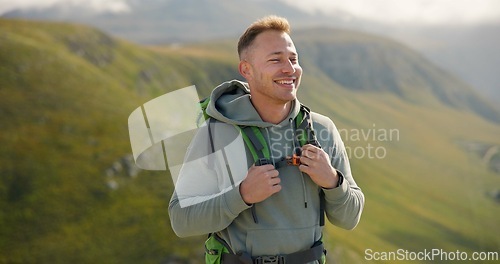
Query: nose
(288, 67)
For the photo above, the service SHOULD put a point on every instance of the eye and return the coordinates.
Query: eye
(294, 59)
(274, 60)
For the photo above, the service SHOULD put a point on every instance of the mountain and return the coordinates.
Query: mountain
(364, 62)
(157, 22)
(467, 52)
(71, 195)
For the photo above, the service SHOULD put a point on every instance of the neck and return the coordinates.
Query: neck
(272, 113)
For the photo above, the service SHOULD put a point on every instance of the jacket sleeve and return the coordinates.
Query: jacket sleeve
(344, 204)
(211, 215)
(206, 197)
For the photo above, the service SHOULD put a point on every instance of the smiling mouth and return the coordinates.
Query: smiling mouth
(285, 82)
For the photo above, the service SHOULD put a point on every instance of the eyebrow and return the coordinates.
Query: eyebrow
(280, 53)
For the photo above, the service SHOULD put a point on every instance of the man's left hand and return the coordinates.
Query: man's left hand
(316, 163)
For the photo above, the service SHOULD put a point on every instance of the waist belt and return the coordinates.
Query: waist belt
(301, 257)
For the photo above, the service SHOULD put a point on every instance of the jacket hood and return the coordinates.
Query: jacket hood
(230, 103)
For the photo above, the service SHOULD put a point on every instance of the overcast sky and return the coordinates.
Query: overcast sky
(98, 5)
(430, 12)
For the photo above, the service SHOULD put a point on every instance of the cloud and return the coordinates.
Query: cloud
(430, 12)
(113, 6)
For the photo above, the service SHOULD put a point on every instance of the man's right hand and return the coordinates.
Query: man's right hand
(260, 183)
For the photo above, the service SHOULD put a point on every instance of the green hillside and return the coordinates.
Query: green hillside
(66, 93)
(68, 195)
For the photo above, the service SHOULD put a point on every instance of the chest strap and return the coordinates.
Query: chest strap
(314, 253)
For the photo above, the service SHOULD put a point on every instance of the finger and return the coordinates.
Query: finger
(304, 160)
(267, 167)
(304, 168)
(274, 181)
(315, 154)
(310, 147)
(307, 153)
(263, 168)
(311, 153)
(271, 174)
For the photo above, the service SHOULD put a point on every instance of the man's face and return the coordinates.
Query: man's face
(273, 68)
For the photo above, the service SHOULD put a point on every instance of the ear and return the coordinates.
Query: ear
(245, 69)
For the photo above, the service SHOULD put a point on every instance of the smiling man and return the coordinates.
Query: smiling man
(271, 67)
(269, 206)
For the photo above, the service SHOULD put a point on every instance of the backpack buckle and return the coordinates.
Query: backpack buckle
(261, 162)
(293, 160)
(278, 259)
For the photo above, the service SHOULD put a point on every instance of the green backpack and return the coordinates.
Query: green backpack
(215, 247)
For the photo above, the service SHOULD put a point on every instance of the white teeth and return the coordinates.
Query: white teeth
(285, 82)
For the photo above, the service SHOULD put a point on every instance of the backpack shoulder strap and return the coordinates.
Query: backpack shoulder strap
(304, 125)
(203, 116)
(255, 141)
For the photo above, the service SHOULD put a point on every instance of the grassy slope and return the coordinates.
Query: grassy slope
(64, 103)
(66, 93)
(427, 192)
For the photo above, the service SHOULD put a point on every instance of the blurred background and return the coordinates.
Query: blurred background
(413, 86)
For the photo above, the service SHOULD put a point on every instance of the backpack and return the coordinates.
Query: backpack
(255, 142)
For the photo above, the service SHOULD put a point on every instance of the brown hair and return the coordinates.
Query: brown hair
(259, 26)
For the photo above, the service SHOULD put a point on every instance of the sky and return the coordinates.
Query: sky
(426, 12)
(97, 5)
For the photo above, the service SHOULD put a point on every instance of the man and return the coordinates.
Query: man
(271, 212)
